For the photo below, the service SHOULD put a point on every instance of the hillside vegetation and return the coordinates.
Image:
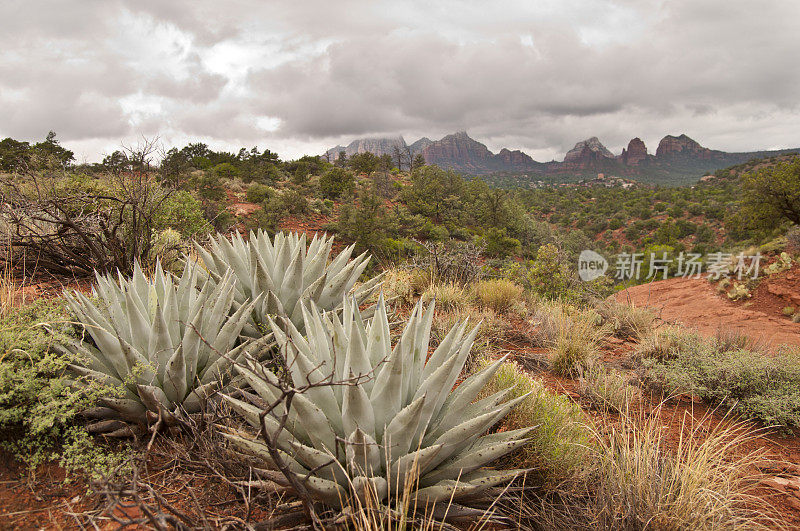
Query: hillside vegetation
(217, 362)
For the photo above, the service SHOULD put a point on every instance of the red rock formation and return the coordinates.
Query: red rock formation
(681, 145)
(516, 158)
(457, 151)
(587, 150)
(635, 153)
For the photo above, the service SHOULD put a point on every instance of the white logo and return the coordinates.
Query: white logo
(591, 265)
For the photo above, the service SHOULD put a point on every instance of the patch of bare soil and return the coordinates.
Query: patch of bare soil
(44, 503)
(776, 292)
(696, 304)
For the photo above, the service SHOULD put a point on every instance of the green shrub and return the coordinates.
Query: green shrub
(258, 193)
(561, 443)
(498, 243)
(37, 404)
(182, 212)
(335, 182)
(758, 386)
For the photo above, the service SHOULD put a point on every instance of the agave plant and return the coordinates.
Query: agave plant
(392, 425)
(166, 345)
(286, 274)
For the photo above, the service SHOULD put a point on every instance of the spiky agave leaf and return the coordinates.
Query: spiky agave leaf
(286, 274)
(166, 344)
(394, 420)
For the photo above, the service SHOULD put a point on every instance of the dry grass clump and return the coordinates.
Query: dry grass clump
(666, 342)
(626, 320)
(606, 389)
(8, 290)
(406, 511)
(705, 483)
(575, 346)
(547, 318)
(497, 293)
(405, 285)
(448, 296)
(571, 335)
(727, 339)
(562, 440)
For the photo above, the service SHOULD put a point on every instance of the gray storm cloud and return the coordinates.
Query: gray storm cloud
(301, 76)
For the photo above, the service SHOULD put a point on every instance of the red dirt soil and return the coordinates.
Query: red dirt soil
(696, 304)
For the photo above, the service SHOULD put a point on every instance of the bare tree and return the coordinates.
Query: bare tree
(60, 225)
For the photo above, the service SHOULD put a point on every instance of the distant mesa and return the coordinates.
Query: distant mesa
(513, 158)
(376, 145)
(681, 145)
(678, 159)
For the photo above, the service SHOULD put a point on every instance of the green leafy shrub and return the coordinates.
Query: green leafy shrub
(498, 243)
(181, 211)
(561, 443)
(755, 385)
(335, 182)
(38, 406)
(258, 193)
(549, 275)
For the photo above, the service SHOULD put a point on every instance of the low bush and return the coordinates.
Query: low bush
(498, 294)
(258, 193)
(38, 406)
(757, 386)
(562, 441)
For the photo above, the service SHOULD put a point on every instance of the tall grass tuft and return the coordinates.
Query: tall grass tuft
(606, 389)
(705, 483)
(627, 320)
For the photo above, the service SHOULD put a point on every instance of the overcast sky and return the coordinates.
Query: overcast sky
(301, 76)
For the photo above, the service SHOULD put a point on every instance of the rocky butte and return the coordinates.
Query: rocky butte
(684, 146)
(635, 153)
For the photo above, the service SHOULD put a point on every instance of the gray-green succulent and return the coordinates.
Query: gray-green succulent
(164, 343)
(393, 419)
(286, 274)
